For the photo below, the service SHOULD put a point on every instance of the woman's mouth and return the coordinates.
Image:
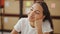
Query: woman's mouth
(32, 17)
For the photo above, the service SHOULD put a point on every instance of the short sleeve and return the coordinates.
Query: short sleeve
(17, 27)
(46, 27)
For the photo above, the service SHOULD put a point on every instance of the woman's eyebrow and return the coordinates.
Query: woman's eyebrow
(35, 9)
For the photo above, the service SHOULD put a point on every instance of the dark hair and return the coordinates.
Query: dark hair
(46, 13)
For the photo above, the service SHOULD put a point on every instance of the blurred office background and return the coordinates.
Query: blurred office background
(12, 10)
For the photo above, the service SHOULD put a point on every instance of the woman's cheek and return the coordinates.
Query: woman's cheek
(40, 17)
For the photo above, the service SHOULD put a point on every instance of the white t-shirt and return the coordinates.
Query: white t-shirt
(24, 27)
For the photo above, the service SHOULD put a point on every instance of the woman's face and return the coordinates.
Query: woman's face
(36, 12)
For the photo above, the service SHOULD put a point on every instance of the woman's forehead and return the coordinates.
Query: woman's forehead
(37, 6)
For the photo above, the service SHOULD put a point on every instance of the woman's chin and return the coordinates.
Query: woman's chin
(32, 20)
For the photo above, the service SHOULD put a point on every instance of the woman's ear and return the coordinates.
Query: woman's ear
(43, 16)
(28, 13)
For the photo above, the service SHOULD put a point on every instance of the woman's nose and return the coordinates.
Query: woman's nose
(32, 13)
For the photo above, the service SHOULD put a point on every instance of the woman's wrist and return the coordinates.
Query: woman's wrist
(38, 26)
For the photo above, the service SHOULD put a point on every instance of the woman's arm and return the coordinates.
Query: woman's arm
(14, 32)
(38, 25)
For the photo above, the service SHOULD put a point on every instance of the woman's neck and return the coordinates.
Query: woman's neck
(32, 24)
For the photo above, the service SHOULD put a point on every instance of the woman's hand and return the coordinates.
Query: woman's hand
(38, 25)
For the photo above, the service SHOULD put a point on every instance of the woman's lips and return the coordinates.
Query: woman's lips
(32, 17)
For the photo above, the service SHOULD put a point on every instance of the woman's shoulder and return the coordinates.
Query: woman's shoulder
(45, 23)
(46, 27)
(23, 19)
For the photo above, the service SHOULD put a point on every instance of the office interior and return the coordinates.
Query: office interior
(12, 10)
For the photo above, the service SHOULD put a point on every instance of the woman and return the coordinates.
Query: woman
(38, 21)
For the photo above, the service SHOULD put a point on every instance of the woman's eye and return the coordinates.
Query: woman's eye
(31, 9)
(37, 12)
